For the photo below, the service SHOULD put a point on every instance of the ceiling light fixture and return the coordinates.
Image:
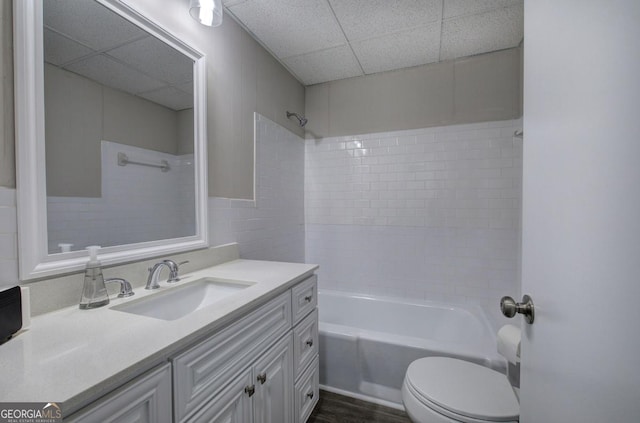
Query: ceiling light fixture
(207, 12)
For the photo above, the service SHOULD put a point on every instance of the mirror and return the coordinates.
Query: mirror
(113, 106)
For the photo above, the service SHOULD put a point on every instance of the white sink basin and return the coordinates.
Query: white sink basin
(178, 302)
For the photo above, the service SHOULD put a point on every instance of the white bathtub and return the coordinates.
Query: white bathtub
(367, 343)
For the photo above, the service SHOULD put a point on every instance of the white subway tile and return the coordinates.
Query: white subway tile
(407, 140)
(435, 195)
(7, 197)
(8, 247)
(387, 142)
(8, 222)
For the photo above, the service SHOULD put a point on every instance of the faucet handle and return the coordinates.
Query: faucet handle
(173, 269)
(125, 287)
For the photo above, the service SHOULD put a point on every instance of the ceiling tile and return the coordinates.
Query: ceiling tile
(495, 30)
(326, 65)
(186, 87)
(399, 50)
(156, 59)
(362, 19)
(59, 50)
(291, 27)
(170, 97)
(454, 8)
(107, 71)
(89, 23)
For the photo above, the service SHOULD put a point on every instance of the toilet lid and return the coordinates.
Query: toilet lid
(464, 388)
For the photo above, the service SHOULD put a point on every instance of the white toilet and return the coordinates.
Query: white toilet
(448, 390)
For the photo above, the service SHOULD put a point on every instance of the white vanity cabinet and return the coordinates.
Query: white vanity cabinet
(305, 347)
(203, 371)
(260, 368)
(146, 399)
(261, 393)
(232, 376)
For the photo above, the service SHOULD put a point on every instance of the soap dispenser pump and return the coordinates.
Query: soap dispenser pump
(94, 291)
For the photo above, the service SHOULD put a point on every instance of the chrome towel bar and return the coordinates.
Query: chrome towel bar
(123, 160)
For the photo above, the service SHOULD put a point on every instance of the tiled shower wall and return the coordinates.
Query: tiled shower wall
(429, 214)
(138, 203)
(272, 226)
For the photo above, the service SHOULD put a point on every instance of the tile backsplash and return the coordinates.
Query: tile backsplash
(431, 213)
(8, 239)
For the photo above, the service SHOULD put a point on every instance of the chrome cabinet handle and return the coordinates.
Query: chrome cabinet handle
(250, 390)
(262, 378)
(509, 308)
(309, 342)
(308, 298)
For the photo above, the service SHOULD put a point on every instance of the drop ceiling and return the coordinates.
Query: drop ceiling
(325, 40)
(88, 39)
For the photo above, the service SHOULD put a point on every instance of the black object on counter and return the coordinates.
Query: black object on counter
(10, 313)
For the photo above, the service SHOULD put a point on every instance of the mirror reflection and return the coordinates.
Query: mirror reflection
(118, 131)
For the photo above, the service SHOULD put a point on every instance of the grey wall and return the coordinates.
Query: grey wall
(242, 78)
(7, 162)
(185, 131)
(79, 113)
(475, 89)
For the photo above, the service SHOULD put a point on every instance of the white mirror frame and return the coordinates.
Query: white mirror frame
(34, 258)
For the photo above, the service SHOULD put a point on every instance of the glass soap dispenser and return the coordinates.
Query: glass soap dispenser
(94, 291)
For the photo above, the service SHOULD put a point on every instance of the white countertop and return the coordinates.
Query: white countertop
(73, 356)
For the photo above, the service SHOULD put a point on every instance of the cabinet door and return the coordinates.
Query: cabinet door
(273, 377)
(232, 405)
(201, 372)
(146, 399)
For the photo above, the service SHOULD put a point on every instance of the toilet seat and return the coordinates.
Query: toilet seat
(461, 390)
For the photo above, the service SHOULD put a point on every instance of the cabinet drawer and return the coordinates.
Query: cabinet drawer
(304, 297)
(202, 371)
(145, 399)
(307, 392)
(305, 342)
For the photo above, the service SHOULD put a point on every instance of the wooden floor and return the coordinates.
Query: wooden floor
(334, 408)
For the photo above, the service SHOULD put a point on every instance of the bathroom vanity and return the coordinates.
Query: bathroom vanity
(249, 357)
(234, 342)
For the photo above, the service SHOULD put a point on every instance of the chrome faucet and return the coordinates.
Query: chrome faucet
(154, 272)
